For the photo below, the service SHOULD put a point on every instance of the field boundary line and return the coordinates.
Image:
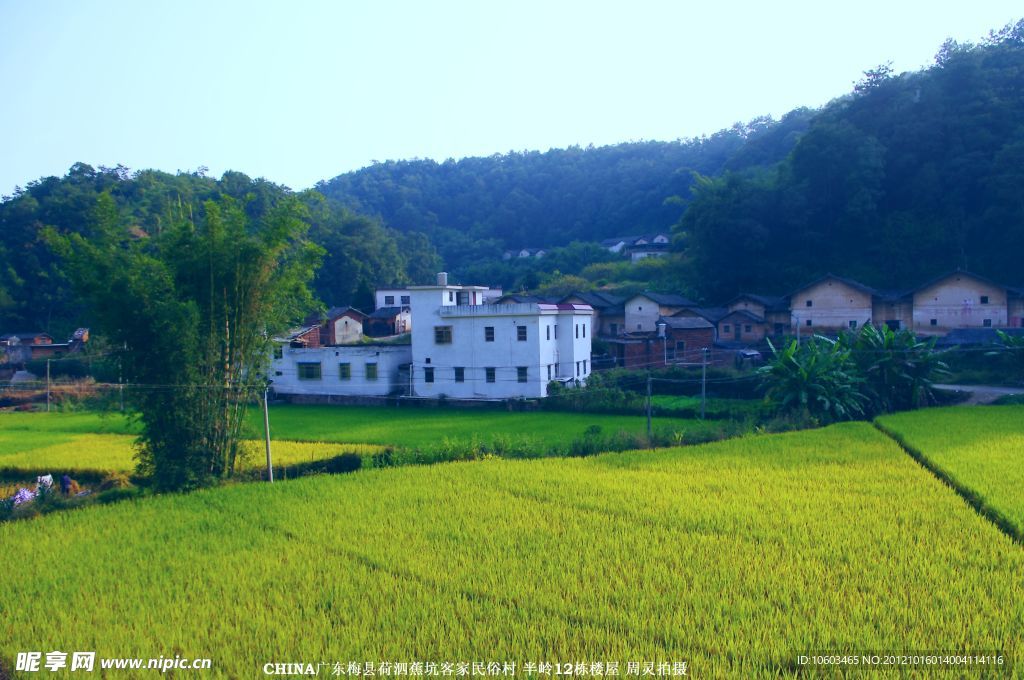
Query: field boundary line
(971, 497)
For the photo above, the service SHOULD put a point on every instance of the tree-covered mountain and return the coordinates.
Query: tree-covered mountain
(907, 177)
(35, 294)
(474, 208)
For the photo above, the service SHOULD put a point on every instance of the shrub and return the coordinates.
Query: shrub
(346, 462)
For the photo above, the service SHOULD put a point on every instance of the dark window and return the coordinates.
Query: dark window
(278, 352)
(442, 335)
(577, 369)
(748, 328)
(460, 374)
(405, 299)
(853, 323)
(987, 323)
(810, 303)
(521, 333)
(451, 296)
(389, 300)
(726, 328)
(521, 373)
(488, 333)
(309, 371)
(548, 332)
(639, 326)
(808, 322)
(934, 322)
(489, 373)
(428, 374)
(584, 367)
(615, 329)
(984, 299)
(345, 371)
(577, 330)
(371, 370)
(549, 371)
(584, 330)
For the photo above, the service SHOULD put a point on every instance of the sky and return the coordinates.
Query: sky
(302, 91)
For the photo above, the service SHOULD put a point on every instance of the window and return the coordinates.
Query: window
(984, 299)
(521, 333)
(442, 335)
(577, 369)
(460, 374)
(521, 373)
(726, 328)
(853, 323)
(548, 332)
(639, 326)
(405, 299)
(345, 371)
(680, 348)
(389, 300)
(428, 374)
(549, 371)
(556, 370)
(371, 370)
(556, 332)
(615, 329)
(584, 367)
(584, 330)
(489, 374)
(810, 303)
(488, 333)
(309, 370)
(987, 323)
(577, 330)
(808, 323)
(278, 352)
(934, 322)
(451, 296)
(748, 328)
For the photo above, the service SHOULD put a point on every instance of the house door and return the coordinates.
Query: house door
(736, 333)
(893, 324)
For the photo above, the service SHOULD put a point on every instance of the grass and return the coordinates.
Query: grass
(735, 556)
(980, 449)
(409, 427)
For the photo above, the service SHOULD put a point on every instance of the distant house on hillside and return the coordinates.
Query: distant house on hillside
(639, 247)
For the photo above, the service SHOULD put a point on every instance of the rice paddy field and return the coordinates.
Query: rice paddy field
(980, 448)
(736, 557)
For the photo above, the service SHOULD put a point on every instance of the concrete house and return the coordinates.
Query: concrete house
(465, 348)
(391, 297)
(388, 321)
(345, 370)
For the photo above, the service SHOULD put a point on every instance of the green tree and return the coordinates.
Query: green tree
(817, 379)
(194, 309)
(898, 369)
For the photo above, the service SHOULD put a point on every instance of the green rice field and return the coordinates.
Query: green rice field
(736, 557)
(980, 448)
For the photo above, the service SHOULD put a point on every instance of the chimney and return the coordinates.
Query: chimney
(442, 278)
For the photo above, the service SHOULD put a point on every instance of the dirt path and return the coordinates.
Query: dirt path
(982, 394)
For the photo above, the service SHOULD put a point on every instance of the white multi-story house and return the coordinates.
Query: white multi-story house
(464, 347)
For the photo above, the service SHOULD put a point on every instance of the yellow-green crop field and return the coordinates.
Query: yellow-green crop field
(61, 453)
(736, 556)
(980, 448)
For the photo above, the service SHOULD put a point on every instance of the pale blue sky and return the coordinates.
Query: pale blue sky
(302, 91)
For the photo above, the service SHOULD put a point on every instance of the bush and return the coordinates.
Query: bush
(346, 462)
(116, 494)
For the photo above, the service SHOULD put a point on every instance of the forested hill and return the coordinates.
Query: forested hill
(909, 176)
(474, 208)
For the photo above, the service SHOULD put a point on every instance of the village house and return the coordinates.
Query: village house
(465, 348)
(365, 370)
(342, 326)
(641, 312)
(387, 321)
(960, 300)
(831, 304)
(20, 348)
(609, 311)
(676, 340)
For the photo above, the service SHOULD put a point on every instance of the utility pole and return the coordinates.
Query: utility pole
(120, 383)
(703, 380)
(648, 405)
(47, 385)
(266, 431)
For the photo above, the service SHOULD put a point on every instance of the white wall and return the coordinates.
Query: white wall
(955, 302)
(389, 358)
(834, 305)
